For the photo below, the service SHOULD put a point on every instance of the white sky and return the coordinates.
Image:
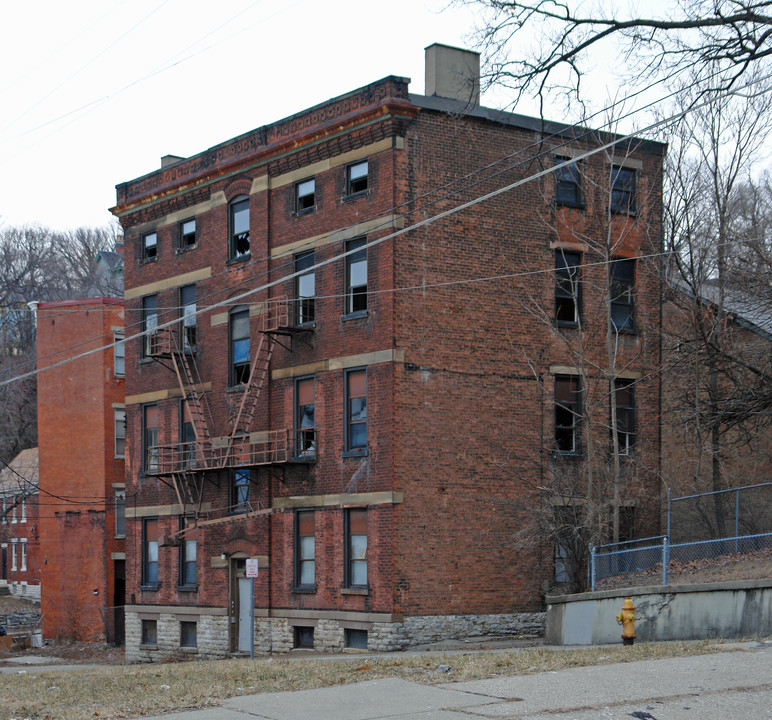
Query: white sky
(86, 101)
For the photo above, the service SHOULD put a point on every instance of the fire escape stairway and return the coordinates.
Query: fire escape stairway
(241, 422)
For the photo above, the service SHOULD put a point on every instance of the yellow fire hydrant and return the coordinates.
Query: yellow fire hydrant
(626, 618)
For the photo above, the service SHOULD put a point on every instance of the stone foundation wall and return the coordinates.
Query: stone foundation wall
(277, 635)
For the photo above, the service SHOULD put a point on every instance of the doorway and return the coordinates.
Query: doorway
(241, 595)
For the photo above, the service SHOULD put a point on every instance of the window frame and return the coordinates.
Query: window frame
(350, 449)
(188, 318)
(628, 412)
(619, 280)
(568, 177)
(149, 310)
(185, 624)
(240, 376)
(567, 274)
(186, 562)
(237, 205)
(302, 559)
(622, 198)
(148, 639)
(355, 297)
(119, 504)
(305, 305)
(147, 461)
(301, 195)
(575, 408)
(184, 242)
(23, 555)
(150, 548)
(350, 558)
(240, 504)
(149, 247)
(303, 449)
(119, 431)
(119, 354)
(351, 190)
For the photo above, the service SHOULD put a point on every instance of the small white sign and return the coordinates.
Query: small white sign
(251, 567)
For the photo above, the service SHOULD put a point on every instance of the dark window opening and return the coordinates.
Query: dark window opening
(305, 196)
(355, 639)
(305, 433)
(305, 288)
(305, 549)
(622, 190)
(568, 413)
(356, 178)
(239, 331)
(304, 636)
(622, 286)
(149, 632)
(239, 228)
(149, 246)
(567, 287)
(624, 398)
(568, 188)
(187, 234)
(188, 634)
(356, 548)
(356, 276)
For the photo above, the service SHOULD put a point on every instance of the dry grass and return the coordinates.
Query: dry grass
(134, 690)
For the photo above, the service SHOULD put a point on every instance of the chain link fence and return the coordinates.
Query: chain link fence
(706, 533)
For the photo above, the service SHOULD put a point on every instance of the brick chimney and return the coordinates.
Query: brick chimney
(453, 73)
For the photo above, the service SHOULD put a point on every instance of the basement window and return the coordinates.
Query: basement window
(188, 634)
(304, 636)
(356, 639)
(149, 632)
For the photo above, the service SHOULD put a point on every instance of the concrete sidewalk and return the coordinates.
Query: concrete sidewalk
(721, 686)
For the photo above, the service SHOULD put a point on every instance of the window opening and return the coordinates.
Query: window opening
(305, 549)
(355, 639)
(567, 184)
(356, 178)
(150, 437)
(622, 189)
(239, 224)
(622, 285)
(356, 276)
(149, 246)
(188, 558)
(188, 312)
(240, 491)
(120, 513)
(188, 634)
(304, 417)
(120, 433)
(567, 287)
(305, 287)
(150, 552)
(304, 636)
(240, 346)
(305, 196)
(568, 413)
(149, 632)
(119, 355)
(149, 323)
(356, 548)
(624, 397)
(187, 233)
(356, 410)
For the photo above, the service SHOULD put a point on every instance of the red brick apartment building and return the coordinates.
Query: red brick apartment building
(355, 411)
(19, 528)
(81, 440)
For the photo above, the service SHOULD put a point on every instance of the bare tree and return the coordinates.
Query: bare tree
(540, 46)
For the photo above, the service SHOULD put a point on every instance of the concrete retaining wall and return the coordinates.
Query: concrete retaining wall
(663, 612)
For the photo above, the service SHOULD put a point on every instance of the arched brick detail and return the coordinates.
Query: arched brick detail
(242, 186)
(239, 546)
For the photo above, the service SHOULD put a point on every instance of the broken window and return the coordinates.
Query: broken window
(305, 196)
(305, 433)
(305, 287)
(567, 288)
(356, 178)
(149, 246)
(624, 399)
(568, 413)
(568, 188)
(622, 189)
(356, 548)
(622, 285)
(187, 437)
(149, 324)
(239, 227)
(239, 332)
(356, 410)
(187, 234)
(356, 276)
(305, 549)
(240, 490)
(188, 313)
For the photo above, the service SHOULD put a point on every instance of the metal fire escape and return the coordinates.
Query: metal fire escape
(185, 465)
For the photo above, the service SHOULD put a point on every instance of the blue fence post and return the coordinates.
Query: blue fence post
(665, 559)
(592, 568)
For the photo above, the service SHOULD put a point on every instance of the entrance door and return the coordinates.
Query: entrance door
(245, 626)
